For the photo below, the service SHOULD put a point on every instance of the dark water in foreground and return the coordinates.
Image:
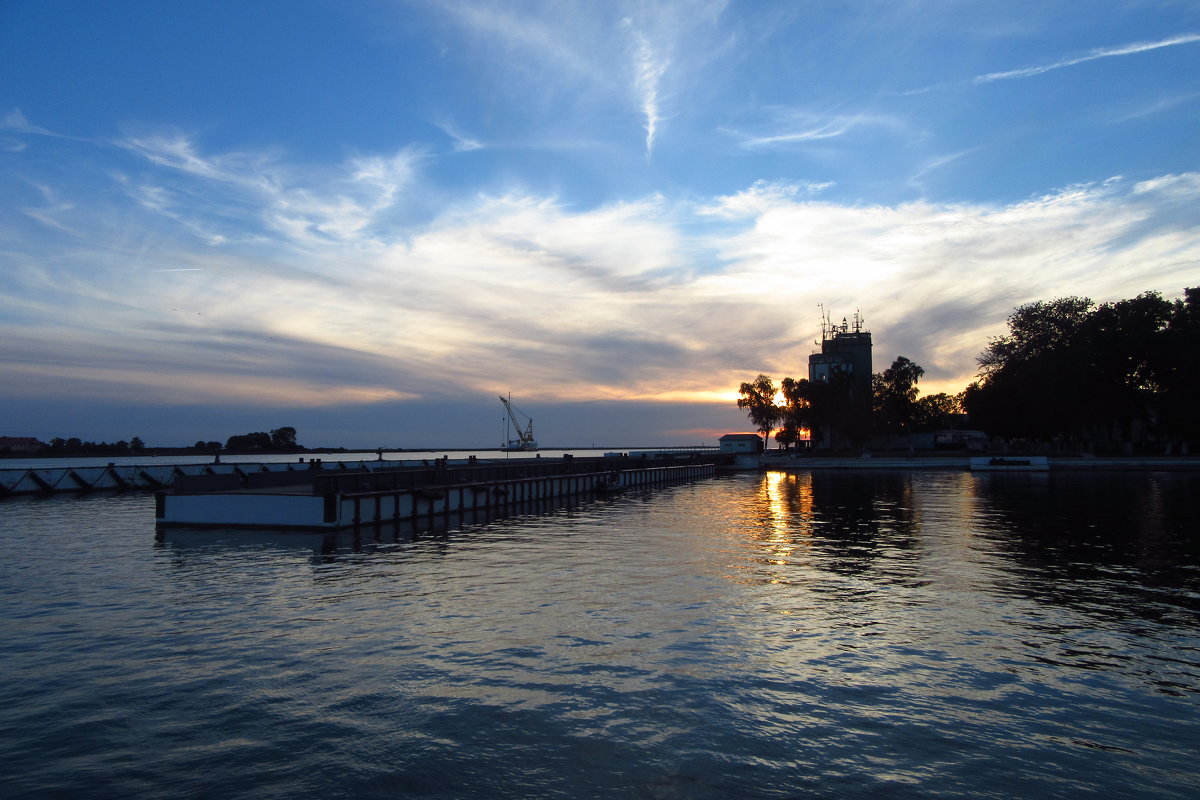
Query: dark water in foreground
(925, 634)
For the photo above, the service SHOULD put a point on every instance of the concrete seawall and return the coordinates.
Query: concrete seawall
(353, 501)
(964, 462)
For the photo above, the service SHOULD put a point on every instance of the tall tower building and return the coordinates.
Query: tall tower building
(845, 349)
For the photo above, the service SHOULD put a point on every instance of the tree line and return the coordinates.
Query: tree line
(1071, 370)
(1068, 370)
(829, 413)
(278, 439)
(75, 446)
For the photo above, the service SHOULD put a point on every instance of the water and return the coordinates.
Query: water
(840, 634)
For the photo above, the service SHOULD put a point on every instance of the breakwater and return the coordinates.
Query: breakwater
(397, 497)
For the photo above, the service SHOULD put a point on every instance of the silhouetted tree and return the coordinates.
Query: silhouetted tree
(249, 441)
(283, 438)
(1177, 369)
(1032, 378)
(1121, 341)
(797, 413)
(758, 401)
(894, 394)
(825, 408)
(936, 411)
(1124, 370)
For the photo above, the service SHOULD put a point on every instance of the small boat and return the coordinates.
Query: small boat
(1010, 464)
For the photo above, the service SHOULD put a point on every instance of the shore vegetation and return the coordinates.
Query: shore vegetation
(1069, 373)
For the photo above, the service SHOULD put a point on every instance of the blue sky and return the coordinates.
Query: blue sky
(367, 219)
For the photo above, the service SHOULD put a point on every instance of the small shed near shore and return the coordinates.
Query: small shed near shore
(741, 443)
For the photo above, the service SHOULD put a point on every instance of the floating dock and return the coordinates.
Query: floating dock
(353, 499)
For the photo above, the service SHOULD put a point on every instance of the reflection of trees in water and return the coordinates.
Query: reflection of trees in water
(850, 523)
(864, 517)
(1110, 544)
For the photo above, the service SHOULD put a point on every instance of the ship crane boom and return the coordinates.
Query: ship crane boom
(523, 429)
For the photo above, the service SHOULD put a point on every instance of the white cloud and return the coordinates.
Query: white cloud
(784, 127)
(649, 68)
(462, 143)
(1100, 52)
(599, 57)
(759, 198)
(554, 35)
(935, 163)
(935, 280)
(16, 122)
(637, 299)
(1186, 185)
(53, 210)
(1157, 106)
(329, 205)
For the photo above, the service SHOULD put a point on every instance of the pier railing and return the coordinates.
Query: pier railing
(488, 472)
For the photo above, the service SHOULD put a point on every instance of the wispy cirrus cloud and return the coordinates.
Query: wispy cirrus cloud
(1157, 106)
(649, 67)
(671, 43)
(1098, 53)
(337, 204)
(785, 127)
(18, 125)
(462, 142)
(934, 163)
(1095, 54)
(548, 36)
(51, 212)
(16, 122)
(603, 56)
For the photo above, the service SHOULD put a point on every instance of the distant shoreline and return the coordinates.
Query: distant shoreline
(1073, 462)
(192, 452)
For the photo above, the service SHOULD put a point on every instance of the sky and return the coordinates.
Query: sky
(367, 220)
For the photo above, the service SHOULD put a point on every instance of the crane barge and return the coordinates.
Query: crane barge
(523, 430)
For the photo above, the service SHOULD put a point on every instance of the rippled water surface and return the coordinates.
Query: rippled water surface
(873, 634)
